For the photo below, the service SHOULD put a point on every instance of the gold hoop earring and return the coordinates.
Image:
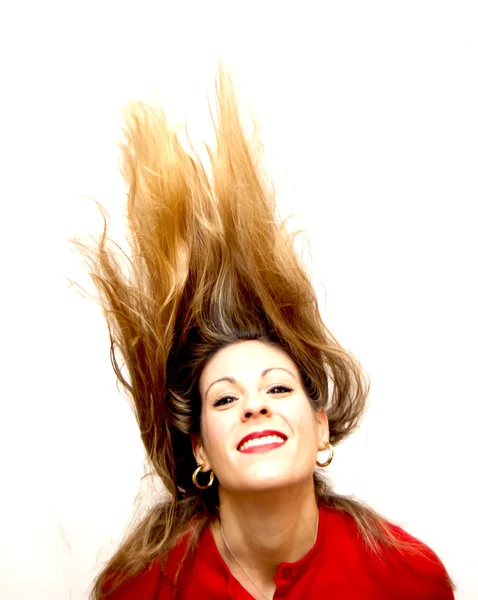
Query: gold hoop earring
(330, 448)
(195, 481)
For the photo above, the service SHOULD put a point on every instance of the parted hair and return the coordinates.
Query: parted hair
(209, 263)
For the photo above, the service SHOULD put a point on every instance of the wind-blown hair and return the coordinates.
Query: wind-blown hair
(210, 264)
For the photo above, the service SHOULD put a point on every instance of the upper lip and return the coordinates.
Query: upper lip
(258, 434)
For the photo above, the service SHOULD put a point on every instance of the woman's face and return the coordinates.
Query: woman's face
(252, 388)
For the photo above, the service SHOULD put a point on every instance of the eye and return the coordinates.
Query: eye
(225, 400)
(279, 389)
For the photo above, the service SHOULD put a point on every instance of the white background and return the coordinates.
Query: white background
(368, 112)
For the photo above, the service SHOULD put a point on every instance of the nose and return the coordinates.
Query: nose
(255, 405)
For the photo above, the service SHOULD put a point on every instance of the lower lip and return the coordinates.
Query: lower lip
(262, 448)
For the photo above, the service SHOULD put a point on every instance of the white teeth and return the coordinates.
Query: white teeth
(267, 439)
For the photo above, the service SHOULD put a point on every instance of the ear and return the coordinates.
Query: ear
(200, 452)
(322, 428)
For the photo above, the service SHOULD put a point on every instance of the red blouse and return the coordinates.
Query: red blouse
(339, 566)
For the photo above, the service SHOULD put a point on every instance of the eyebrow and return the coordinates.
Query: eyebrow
(263, 374)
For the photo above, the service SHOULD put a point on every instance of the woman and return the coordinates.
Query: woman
(239, 389)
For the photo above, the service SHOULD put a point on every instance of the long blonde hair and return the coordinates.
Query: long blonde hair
(210, 263)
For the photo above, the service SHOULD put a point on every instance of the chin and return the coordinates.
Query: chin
(266, 482)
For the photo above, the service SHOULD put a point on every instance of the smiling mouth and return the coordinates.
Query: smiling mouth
(262, 444)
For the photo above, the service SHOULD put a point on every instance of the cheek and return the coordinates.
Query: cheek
(217, 431)
(301, 417)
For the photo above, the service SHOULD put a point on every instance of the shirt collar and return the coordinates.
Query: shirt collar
(285, 571)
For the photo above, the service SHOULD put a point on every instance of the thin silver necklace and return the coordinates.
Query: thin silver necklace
(245, 572)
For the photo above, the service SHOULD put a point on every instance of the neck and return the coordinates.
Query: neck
(267, 528)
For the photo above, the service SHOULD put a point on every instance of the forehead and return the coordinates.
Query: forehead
(245, 360)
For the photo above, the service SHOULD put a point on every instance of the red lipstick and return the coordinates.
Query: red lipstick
(262, 447)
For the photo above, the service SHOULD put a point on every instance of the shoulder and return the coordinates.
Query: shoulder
(416, 567)
(408, 568)
(156, 578)
(145, 585)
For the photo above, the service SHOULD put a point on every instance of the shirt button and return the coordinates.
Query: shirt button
(287, 573)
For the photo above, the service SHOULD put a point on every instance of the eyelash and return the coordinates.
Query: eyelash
(285, 389)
